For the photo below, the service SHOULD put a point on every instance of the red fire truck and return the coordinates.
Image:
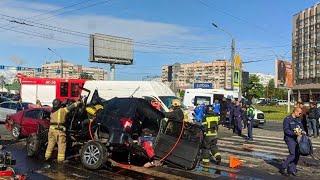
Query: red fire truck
(47, 89)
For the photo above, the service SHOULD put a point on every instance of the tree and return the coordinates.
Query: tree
(270, 89)
(275, 93)
(254, 88)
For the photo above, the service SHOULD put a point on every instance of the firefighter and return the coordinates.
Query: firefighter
(175, 117)
(57, 129)
(210, 148)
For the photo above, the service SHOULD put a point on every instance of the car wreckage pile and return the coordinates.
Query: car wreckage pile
(125, 130)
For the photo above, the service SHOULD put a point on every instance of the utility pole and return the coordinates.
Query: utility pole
(233, 51)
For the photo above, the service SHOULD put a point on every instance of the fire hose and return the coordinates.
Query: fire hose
(166, 155)
(175, 145)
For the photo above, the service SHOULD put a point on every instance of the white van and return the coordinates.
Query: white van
(206, 96)
(140, 89)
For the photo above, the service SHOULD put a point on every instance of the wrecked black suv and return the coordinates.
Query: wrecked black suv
(116, 130)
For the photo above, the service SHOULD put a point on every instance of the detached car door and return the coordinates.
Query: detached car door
(30, 121)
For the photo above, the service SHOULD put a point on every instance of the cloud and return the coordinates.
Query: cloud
(137, 29)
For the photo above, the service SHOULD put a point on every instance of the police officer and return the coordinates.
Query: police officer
(210, 148)
(292, 128)
(237, 116)
(57, 129)
(250, 116)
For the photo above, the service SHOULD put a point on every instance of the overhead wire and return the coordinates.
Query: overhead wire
(52, 11)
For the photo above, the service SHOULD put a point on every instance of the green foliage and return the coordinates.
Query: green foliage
(254, 87)
(275, 93)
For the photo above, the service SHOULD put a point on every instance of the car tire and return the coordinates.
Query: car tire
(15, 132)
(93, 155)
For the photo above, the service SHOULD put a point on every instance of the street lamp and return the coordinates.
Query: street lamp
(61, 60)
(232, 50)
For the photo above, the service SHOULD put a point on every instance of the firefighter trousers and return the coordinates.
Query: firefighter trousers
(56, 137)
(210, 150)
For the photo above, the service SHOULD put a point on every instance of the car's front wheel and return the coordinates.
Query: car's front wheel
(93, 155)
(16, 130)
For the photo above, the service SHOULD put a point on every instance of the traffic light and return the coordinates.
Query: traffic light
(1, 66)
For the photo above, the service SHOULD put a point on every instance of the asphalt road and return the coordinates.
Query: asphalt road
(260, 160)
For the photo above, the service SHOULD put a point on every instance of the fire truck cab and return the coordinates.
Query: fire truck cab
(47, 89)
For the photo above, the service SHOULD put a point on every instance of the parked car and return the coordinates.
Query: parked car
(3, 99)
(11, 107)
(259, 118)
(26, 122)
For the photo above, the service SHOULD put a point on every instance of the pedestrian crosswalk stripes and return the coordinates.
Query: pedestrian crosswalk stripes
(256, 149)
(263, 148)
(270, 140)
(222, 142)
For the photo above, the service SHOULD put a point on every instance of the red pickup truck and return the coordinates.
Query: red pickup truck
(26, 122)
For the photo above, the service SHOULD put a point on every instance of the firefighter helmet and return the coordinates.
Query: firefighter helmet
(56, 103)
(176, 103)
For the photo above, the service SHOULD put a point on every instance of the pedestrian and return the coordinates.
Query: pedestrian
(57, 129)
(237, 118)
(312, 120)
(293, 129)
(250, 116)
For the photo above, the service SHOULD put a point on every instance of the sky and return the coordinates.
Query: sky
(164, 31)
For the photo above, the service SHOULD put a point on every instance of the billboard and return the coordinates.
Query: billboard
(202, 85)
(110, 49)
(284, 75)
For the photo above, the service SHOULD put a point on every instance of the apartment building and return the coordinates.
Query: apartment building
(306, 54)
(183, 76)
(70, 70)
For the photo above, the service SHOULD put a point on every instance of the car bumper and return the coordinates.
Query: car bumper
(259, 122)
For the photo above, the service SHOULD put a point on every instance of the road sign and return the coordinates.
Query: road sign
(202, 85)
(236, 78)
(237, 62)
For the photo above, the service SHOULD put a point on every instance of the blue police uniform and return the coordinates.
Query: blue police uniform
(199, 113)
(237, 113)
(216, 108)
(230, 110)
(289, 124)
